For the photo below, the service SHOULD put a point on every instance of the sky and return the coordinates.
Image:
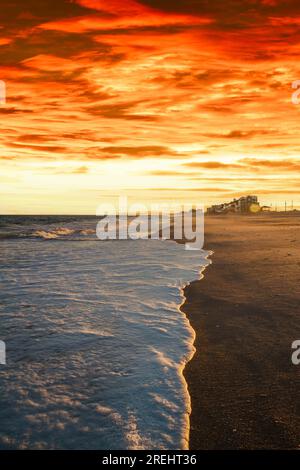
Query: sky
(157, 100)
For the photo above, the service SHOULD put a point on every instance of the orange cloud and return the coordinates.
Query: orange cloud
(143, 89)
(289, 165)
(127, 14)
(212, 165)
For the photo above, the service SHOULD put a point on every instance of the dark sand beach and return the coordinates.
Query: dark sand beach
(245, 312)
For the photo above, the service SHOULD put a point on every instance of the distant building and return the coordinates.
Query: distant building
(243, 205)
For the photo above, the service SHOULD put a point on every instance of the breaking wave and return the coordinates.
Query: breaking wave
(96, 341)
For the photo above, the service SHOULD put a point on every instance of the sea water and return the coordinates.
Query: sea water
(95, 339)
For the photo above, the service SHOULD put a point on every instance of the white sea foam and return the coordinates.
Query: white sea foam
(95, 344)
(52, 234)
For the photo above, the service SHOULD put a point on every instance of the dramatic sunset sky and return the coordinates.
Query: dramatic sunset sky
(158, 99)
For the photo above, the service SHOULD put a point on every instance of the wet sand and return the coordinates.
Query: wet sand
(246, 314)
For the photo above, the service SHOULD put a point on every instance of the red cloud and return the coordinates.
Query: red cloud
(123, 14)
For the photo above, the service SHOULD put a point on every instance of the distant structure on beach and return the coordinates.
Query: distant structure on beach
(243, 205)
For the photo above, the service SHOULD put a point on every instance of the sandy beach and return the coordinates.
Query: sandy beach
(245, 312)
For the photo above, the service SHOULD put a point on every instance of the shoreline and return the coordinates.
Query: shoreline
(244, 312)
(186, 436)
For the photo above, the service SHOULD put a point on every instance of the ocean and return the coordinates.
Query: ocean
(95, 338)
